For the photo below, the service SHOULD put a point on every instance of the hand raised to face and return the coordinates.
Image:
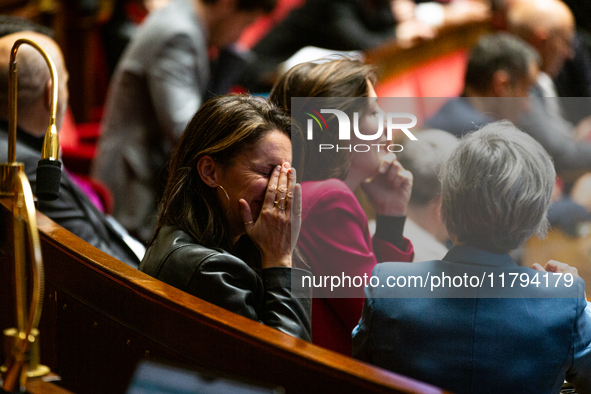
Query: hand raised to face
(390, 190)
(277, 227)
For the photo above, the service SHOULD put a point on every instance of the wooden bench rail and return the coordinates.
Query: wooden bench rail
(393, 60)
(574, 251)
(101, 317)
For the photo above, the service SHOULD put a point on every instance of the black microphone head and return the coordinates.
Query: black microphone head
(49, 174)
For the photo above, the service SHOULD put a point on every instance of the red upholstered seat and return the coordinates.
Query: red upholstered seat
(78, 143)
(440, 77)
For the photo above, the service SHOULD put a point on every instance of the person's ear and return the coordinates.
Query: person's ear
(501, 84)
(438, 208)
(539, 37)
(208, 171)
(435, 205)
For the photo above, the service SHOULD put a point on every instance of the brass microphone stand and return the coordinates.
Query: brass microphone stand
(22, 363)
(50, 152)
(21, 343)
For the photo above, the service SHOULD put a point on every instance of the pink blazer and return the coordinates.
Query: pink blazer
(335, 240)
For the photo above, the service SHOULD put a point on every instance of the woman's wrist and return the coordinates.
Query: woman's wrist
(390, 210)
(268, 262)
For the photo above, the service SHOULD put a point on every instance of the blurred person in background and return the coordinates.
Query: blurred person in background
(124, 18)
(549, 27)
(565, 69)
(158, 86)
(73, 210)
(501, 72)
(351, 25)
(424, 225)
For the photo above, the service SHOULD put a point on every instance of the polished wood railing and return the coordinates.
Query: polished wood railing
(101, 317)
(392, 59)
(574, 250)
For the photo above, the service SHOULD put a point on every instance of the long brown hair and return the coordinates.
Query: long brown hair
(344, 77)
(223, 128)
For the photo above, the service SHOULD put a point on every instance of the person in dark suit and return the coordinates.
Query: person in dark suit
(501, 65)
(73, 210)
(565, 70)
(501, 71)
(496, 189)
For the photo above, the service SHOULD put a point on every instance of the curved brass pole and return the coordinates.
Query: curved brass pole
(48, 147)
(14, 182)
(51, 141)
(23, 209)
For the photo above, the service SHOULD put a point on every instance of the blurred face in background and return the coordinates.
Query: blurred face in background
(368, 163)
(519, 90)
(558, 49)
(63, 92)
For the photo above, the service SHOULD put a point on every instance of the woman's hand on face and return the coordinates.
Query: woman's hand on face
(390, 190)
(276, 230)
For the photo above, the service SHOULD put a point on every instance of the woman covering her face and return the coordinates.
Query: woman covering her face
(225, 221)
(335, 239)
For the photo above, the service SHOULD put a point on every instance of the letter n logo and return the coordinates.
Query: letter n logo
(315, 115)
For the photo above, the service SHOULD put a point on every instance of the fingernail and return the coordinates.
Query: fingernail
(278, 168)
(286, 165)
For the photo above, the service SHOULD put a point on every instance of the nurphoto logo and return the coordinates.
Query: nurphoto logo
(391, 119)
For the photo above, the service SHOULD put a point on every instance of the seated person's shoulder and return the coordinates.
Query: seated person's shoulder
(386, 269)
(326, 189)
(175, 243)
(175, 257)
(24, 154)
(331, 195)
(211, 274)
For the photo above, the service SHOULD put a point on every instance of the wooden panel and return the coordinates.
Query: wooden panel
(21, 8)
(78, 35)
(575, 251)
(101, 317)
(443, 76)
(405, 85)
(393, 60)
(40, 387)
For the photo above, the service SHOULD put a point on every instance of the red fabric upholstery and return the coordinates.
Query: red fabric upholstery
(441, 77)
(78, 143)
(262, 26)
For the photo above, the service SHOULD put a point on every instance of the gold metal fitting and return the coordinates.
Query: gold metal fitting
(51, 141)
(19, 358)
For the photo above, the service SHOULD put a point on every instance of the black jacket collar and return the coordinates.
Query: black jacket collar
(23, 137)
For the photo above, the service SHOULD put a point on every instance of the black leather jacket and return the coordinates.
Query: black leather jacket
(218, 277)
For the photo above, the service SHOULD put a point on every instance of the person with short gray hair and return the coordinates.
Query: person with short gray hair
(490, 180)
(496, 189)
(424, 226)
